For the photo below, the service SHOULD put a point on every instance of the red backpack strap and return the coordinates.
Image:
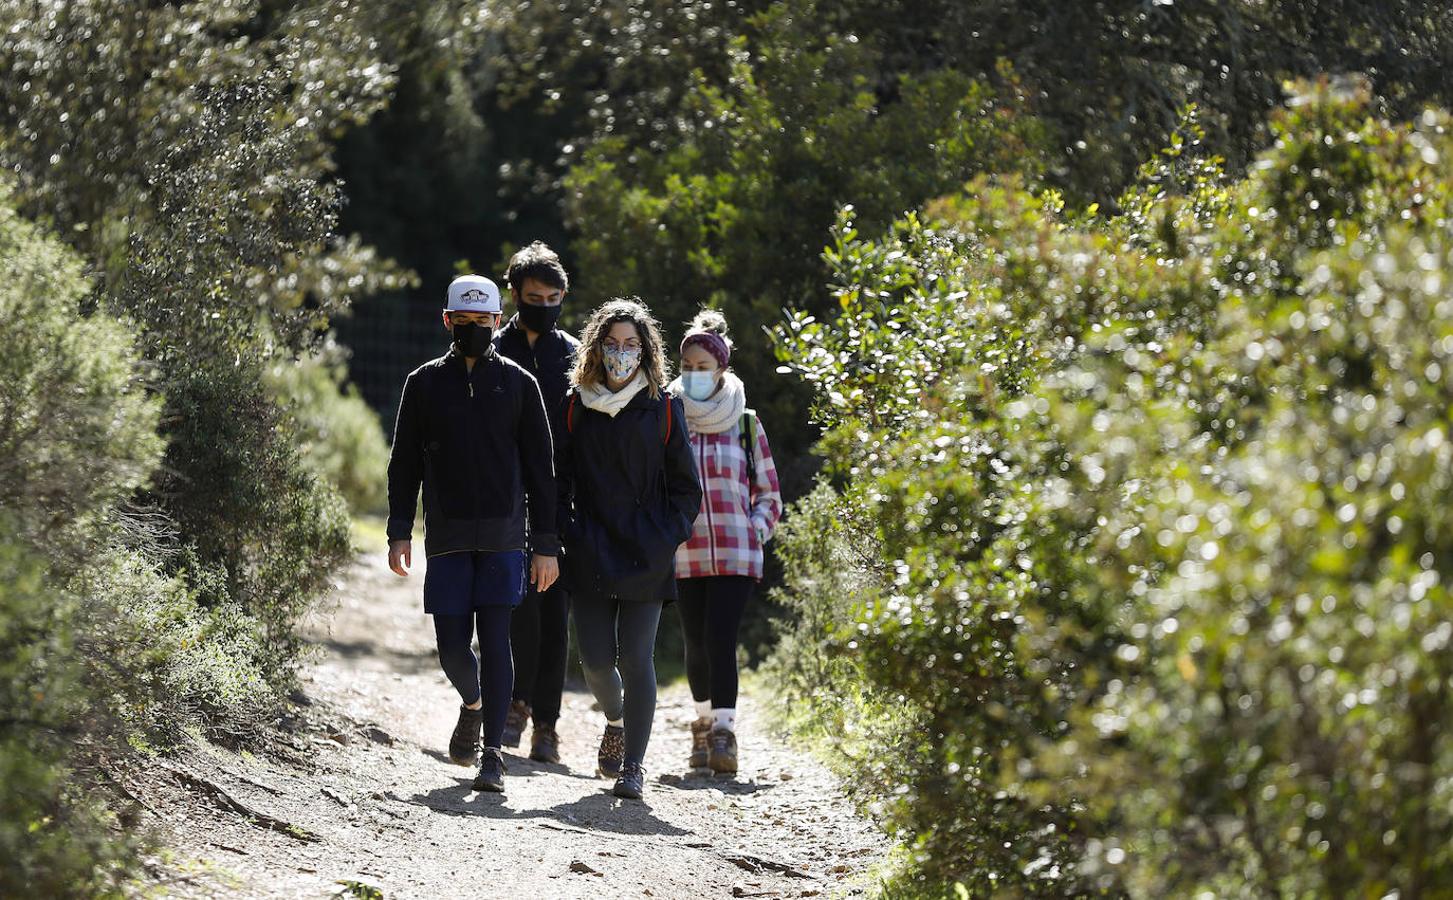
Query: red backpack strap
(666, 437)
(570, 414)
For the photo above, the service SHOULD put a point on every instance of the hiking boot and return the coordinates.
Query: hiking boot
(612, 751)
(722, 756)
(700, 746)
(491, 775)
(632, 782)
(544, 744)
(515, 721)
(464, 742)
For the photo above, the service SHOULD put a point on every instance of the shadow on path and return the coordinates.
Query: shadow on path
(516, 766)
(402, 661)
(733, 787)
(599, 812)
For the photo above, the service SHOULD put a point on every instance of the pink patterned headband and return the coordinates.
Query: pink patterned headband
(712, 343)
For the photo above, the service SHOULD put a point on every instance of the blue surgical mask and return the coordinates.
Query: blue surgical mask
(698, 385)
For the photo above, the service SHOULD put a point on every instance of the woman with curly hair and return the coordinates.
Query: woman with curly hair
(629, 494)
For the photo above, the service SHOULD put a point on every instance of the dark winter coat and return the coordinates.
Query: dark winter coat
(628, 498)
(550, 361)
(479, 443)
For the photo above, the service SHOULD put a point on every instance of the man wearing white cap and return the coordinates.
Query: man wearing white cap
(473, 433)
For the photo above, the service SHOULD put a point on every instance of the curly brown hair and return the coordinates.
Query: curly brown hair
(590, 363)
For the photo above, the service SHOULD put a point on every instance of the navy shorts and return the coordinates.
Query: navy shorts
(460, 583)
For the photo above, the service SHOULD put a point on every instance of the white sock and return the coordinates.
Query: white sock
(703, 709)
(619, 723)
(724, 718)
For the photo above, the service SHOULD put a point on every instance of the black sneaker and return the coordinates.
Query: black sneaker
(544, 744)
(515, 721)
(464, 743)
(612, 751)
(491, 775)
(632, 782)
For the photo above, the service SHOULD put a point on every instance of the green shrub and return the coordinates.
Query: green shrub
(77, 429)
(160, 662)
(77, 436)
(1156, 503)
(340, 436)
(196, 184)
(56, 835)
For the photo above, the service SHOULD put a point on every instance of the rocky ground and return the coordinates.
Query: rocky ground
(358, 799)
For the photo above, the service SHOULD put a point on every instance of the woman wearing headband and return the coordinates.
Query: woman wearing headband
(717, 570)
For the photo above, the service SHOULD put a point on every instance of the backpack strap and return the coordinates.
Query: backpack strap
(570, 413)
(666, 435)
(747, 435)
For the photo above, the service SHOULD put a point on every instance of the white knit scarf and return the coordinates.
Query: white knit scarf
(716, 413)
(602, 399)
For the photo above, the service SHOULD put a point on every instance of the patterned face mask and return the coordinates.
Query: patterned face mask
(622, 364)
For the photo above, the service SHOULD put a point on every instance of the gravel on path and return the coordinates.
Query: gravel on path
(375, 805)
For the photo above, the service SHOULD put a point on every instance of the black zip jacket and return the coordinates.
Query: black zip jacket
(550, 361)
(479, 443)
(628, 499)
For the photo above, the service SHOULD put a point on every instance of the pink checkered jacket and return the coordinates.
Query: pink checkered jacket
(724, 540)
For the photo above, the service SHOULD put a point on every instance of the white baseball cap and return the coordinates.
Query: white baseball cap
(473, 293)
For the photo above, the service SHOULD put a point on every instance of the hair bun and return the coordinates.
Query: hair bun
(709, 320)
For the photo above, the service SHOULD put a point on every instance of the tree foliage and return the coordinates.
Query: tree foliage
(183, 151)
(1152, 496)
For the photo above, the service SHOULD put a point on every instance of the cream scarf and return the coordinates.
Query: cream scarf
(717, 413)
(602, 399)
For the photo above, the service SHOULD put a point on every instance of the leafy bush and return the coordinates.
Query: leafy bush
(1154, 502)
(56, 838)
(203, 201)
(77, 431)
(77, 435)
(340, 437)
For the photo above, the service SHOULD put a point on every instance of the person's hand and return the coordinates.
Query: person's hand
(544, 570)
(400, 557)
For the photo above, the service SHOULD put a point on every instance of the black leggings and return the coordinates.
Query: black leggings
(617, 650)
(538, 634)
(711, 614)
(456, 656)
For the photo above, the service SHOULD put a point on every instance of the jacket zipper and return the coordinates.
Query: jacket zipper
(469, 380)
(710, 527)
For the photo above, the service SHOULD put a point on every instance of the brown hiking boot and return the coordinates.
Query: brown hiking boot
(544, 744)
(612, 752)
(515, 721)
(722, 756)
(700, 744)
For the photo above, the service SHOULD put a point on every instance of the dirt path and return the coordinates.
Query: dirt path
(369, 798)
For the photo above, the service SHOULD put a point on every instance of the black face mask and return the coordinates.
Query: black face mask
(471, 339)
(539, 319)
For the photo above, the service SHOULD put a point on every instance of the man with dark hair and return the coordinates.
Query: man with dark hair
(538, 283)
(472, 432)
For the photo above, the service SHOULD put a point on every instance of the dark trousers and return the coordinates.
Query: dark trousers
(618, 653)
(539, 635)
(491, 681)
(711, 614)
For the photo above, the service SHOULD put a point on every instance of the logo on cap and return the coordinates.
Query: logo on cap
(473, 293)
